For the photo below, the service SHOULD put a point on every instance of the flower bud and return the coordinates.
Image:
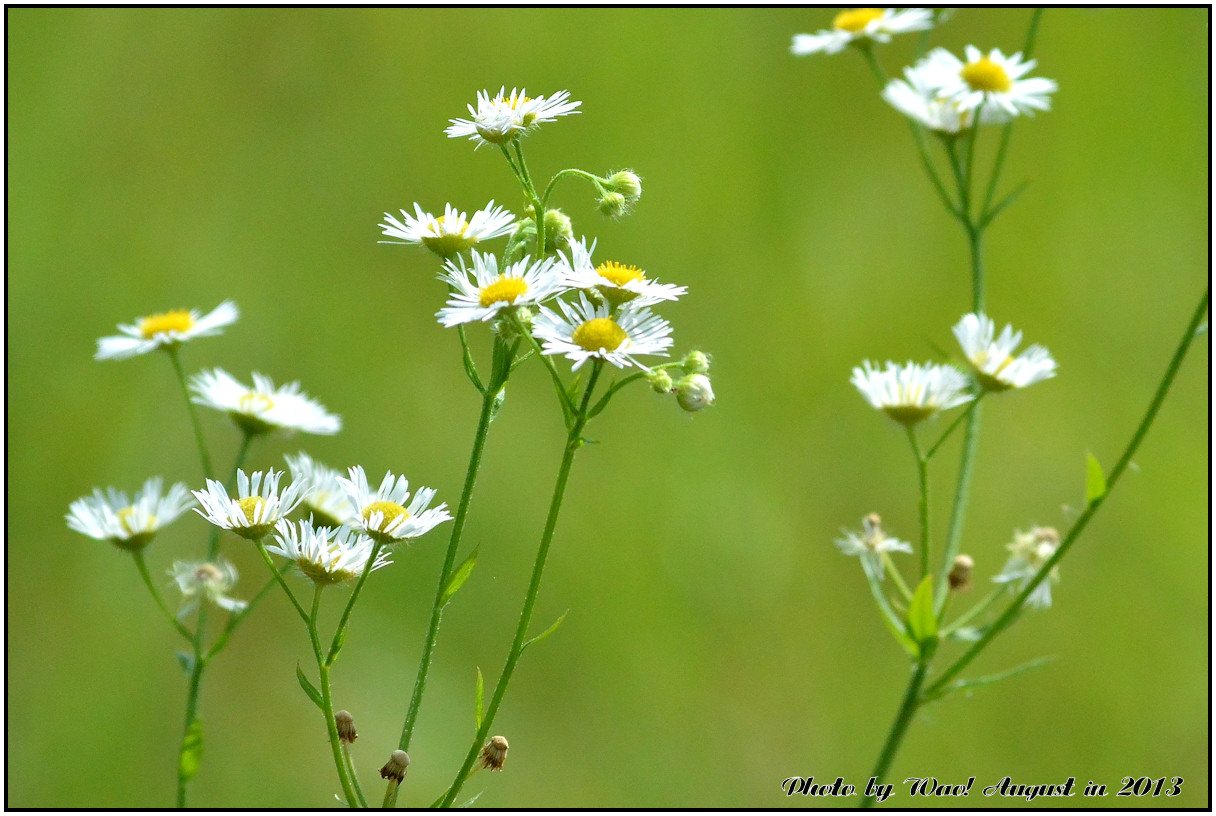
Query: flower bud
(346, 726)
(558, 230)
(960, 573)
(396, 766)
(494, 754)
(696, 362)
(613, 205)
(627, 183)
(659, 380)
(694, 393)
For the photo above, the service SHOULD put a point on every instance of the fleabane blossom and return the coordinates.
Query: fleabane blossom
(993, 81)
(325, 499)
(449, 234)
(618, 283)
(165, 330)
(876, 24)
(199, 580)
(326, 556)
(910, 393)
(130, 524)
(257, 507)
(992, 360)
(583, 331)
(1029, 551)
(263, 408)
(482, 291)
(501, 118)
(870, 544)
(382, 514)
(916, 97)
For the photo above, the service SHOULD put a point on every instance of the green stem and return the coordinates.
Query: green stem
(354, 777)
(573, 442)
(1007, 617)
(196, 676)
(922, 473)
(237, 619)
(327, 706)
(898, 728)
(340, 632)
(142, 566)
(198, 429)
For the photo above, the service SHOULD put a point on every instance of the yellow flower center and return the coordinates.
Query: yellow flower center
(178, 320)
(126, 519)
(619, 273)
(255, 403)
(448, 241)
(599, 333)
(855, 20)
(986, 75)
(251, 506)
(503, 288)
(390, 512)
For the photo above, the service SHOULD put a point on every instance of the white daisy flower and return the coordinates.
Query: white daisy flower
(916, 97)
(198, 580)
(584, 331)
(994, 81)
(995, 367)
(876, 24)
(257, 507)
(482, 292)
(382, 514)
(871, 544)
(1028, 552)
(451, 233)
(263, 408)
(324, 555)
(325, 500)
(498, 120)
(165, 330)
(911, 393)
(616, 282)
(130, 524)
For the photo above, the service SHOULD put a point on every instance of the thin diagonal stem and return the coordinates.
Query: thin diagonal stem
(142, 566)
(327, 705)
(198, 429)
(922, 474)
(903, 719)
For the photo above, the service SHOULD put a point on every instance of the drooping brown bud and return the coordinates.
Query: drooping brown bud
(396, 766)
(960, 573)
(494, 754)
(346, 726)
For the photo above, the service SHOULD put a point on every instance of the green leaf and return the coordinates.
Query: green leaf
(963, 685)
(192, 750)
(1095, 480)
(309, 688)
(469, 803)
(481, 698)
(496, 406)
(186, 661)
(548, 631)
(459, 577)
(922, 622)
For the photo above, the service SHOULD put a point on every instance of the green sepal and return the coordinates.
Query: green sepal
(481, 698)
(1095, 480)
(309, 688)
(459, 577)
(192, 750)
(547, 632)
(922, 621)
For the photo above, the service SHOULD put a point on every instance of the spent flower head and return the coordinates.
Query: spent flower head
(871, 543)
(503, 117)
(449, 234)
(257, 507)
(991, 357)
(263, 408)
(325, 500)
(165, 330)
(1029, 551)
(326, 556)
(382, 514)
(991, 80)
(199, 580)
(583, 331)
(862, 25)
(128, 523)
(618, 283)
(480, 292)
(911, 393)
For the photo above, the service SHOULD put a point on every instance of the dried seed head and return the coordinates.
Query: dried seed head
(494, 754)
(395, 768)
(960, 573)
(346, 726)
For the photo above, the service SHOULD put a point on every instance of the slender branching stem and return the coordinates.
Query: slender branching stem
(142, 566)
(903, 719)
(922, 474)
(198, 429)
(327, 705)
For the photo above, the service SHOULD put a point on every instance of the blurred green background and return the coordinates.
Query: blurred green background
(717, 642)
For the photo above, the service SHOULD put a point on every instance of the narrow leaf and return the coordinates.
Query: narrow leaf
(963, 685)
(893, 622)
(548, 631)
(469, 803)
(1095, 480)
(309, 688)
(192, 750)
(922, 622)
(481, 698)
(186, 660)
(499, 399)
(459, 577)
